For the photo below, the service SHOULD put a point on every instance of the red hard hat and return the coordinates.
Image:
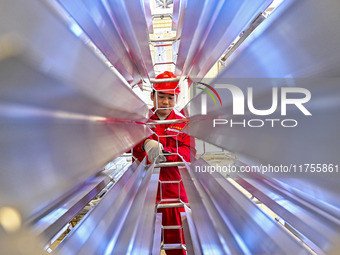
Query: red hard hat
(167, 87)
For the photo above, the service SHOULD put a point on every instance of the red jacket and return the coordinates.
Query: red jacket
(186, 146)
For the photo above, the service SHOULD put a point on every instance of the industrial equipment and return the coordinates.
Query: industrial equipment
(73, 80)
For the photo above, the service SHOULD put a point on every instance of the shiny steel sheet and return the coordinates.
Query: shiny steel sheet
(289, 49)
(73, 243)
(294, 41)
(148, 16)
(209, 28)
(247, 224)
(318, 227)
(44, 64)
(129, 17)
(292, 139)
(116, 224)
(64, 114)
(137, 236)
(93, 18)
(205, 232)
(63, 211)
(46, 157)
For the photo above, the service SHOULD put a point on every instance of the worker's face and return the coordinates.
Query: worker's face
(163, 100)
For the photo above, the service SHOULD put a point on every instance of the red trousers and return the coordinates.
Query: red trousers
(172, 216)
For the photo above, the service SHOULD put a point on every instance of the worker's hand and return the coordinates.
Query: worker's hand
(154, 151)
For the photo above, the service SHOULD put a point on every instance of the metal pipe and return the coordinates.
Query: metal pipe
(164, 80)
(164, 40)
(170, 200)
(173, 246)
(165, 63)
(169, 164)
(159, 122)
(172, 227)
(171, 181)
(162, 45)
(171, 205)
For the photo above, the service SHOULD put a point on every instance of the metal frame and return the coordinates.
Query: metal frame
(170, 203)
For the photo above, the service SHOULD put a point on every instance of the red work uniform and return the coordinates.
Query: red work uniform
(186, 146)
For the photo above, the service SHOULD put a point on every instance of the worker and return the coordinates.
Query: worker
(164, 96)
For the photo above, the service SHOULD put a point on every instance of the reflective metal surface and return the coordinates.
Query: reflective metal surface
(188, 241)
(20, 242)
(129, 16)
(55, 75)
(64, 114)
(120, 31)
(102, 30)
(178, 16)
(148, 16)
(297, 38)
(63, 211)
(312, 140)
(52, 155)
(304, 212)
(164, 80)
(289, 49)
(118, 224)
(156, 247)
(209, 28)
(59, 105)
(238, 224)
(169, 164)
